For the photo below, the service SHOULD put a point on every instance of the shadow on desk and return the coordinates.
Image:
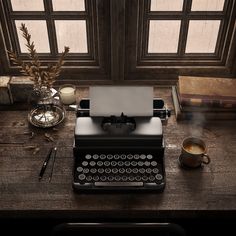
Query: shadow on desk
(107, 229)
(49, 227)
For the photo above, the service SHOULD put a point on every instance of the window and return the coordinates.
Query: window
(124, 41)
(53, 24)
(165, 38)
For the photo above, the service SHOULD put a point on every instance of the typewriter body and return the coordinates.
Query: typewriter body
(119, 153)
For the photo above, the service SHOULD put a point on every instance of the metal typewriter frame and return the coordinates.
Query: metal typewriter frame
(159, 110)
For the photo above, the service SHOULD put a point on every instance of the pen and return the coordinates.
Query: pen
(53, 161)
(45, 163)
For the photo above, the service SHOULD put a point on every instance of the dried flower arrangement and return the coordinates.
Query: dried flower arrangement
(40, 77)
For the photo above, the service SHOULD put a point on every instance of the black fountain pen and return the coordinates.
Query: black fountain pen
(45, 163)
(53, 161)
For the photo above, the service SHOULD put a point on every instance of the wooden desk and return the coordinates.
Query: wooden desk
(208, 192)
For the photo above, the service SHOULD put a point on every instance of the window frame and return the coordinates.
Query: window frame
(78, 66)
(116, 33)
(164, 68)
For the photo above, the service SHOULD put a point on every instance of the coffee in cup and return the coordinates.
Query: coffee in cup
(193, 153)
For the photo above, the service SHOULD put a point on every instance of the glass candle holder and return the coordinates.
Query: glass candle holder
(68, 94)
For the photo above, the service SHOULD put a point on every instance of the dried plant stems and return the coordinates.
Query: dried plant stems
(39, 76)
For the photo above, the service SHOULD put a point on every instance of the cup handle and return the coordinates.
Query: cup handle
(206, 159)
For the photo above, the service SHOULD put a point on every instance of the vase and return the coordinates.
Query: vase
(45, 108)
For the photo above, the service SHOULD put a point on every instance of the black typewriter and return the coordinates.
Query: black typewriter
(119, 153)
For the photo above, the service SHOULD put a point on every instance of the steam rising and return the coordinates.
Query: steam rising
(198, 121)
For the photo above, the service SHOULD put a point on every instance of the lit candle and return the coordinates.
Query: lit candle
(67, 93)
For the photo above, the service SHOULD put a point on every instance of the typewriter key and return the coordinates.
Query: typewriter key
(117, 178)
(102, 157)
(114, 171)
(144, 178)
(149, 156)
(103, 178)
(135, 170)
(86, 171)
(128, 170)
(155, 170)
(89, 178)
(88, 156)
(109, 157)
(79, 169)
(108, 170)
(151, 178)
(134, 163)
(120, 163)
(131, 178)
(95, 156)
(100, 170)
(136, 156)
(93, 170)
(158, 177)
(100, 163)
(137, 178)
(124, 178)
(110, 178)
(130, 156)
(107, 163)
(147, 163)
(154, 163)
(81, 177)
(142, 170)
(142, 156)
(140, 163)
(95, 178)
(148, 170)
(116, 156)
(121, 170)
(113, 163)
(127, 163)
(92, 163)
(84, 163)
(123, 157)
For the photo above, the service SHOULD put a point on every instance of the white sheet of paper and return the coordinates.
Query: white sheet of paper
(113, 100)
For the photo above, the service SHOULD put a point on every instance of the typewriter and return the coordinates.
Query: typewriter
(119, 152)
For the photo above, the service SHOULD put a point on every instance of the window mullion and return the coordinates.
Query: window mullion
(117, 15)
(51, 27)
(184, 27)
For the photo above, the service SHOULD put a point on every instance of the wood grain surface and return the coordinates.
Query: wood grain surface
(209, 191)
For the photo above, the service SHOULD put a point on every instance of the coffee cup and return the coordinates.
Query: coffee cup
(193, 153)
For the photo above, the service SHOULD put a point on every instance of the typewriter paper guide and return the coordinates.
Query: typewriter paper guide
(113, 100)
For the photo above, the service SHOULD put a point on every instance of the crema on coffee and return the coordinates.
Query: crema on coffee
(194, 148)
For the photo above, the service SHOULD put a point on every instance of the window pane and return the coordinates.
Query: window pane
(39, 34)
(68, 5)
(163, 36)
(202, 36)
(208, 5)
(72, 33)
(26, 5)
(166, 5)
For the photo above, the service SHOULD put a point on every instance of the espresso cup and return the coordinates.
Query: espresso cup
(193, 153)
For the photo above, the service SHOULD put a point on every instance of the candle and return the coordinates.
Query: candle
(67, 93)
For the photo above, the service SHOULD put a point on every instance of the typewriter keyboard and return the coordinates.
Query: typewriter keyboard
(119, 170)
